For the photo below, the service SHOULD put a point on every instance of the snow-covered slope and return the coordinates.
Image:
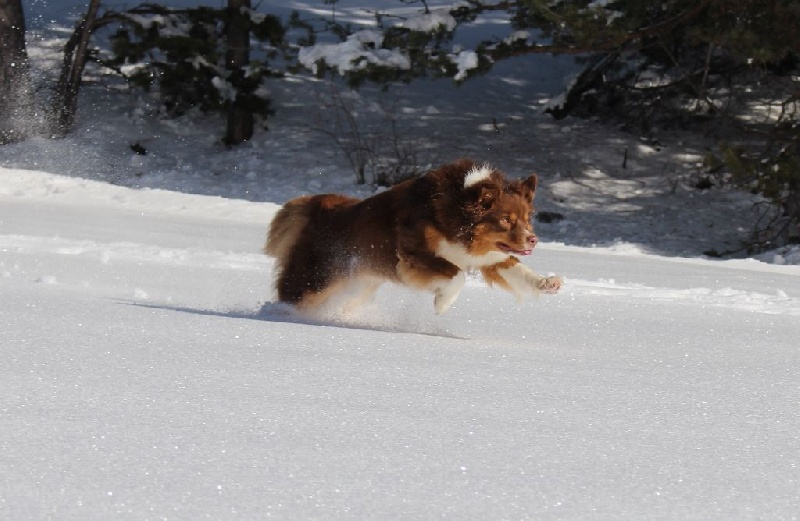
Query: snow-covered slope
(146, 373)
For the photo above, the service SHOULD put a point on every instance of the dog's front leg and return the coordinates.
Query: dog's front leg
(517, 278)
(446, 292)
(432, 273)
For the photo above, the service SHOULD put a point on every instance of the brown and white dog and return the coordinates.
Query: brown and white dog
(424, 233)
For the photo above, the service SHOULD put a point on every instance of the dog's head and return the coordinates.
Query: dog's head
(502, 214)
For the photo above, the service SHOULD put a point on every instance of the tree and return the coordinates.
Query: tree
(18, 106)
(648, 63)
(16, 93)
(65, 98)
(198, 58)
(237, 57)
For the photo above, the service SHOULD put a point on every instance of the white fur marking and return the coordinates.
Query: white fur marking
(524, 281)
(477, 174)
(447, 292)
(458, 255)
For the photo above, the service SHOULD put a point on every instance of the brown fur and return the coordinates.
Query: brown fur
(423, 232)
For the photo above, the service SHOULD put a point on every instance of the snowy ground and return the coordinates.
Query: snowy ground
(146, 372)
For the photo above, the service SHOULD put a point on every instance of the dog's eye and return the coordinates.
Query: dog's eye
(505, 221)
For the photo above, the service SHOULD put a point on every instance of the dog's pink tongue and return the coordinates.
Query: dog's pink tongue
(515, 251)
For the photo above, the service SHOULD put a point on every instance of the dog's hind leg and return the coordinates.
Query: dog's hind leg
(307, 280)
(360, 292)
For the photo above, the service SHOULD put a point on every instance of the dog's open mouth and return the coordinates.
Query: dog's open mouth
(509, 249)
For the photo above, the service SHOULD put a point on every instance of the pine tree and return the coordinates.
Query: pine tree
(198, 58)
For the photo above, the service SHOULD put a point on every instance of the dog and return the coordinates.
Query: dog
(425, 233)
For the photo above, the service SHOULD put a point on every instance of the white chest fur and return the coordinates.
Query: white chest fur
(458, 255)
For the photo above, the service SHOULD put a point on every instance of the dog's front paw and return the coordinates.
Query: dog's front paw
(550, 285)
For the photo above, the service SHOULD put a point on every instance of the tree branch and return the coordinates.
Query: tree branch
(608, 46)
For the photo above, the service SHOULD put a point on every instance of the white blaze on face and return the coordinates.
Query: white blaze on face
(477, 174)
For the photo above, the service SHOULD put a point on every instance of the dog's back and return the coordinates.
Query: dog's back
(323, 243)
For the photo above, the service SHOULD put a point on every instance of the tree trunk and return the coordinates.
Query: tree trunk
(65, 100)
(17, 106)
(240, 118)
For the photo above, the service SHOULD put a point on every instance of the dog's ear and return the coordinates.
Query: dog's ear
(529, 187)
(487, 195)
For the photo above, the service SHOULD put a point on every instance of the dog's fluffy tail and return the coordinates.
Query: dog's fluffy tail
(286, 227)
(303, 226)
(295, 217)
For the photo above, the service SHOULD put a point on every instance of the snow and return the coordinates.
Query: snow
(224, 87)
(167, 26)
(465, 61)
(354, 53)
(517, 36)
(146, 370)
(430, 21)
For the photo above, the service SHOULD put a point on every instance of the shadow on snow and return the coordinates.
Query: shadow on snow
(279, 313)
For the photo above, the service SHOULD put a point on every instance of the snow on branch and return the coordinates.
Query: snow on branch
(430, 21)
(356, 52)
(465, 61)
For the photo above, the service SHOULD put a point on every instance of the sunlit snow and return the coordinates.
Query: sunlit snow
(146, 371)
